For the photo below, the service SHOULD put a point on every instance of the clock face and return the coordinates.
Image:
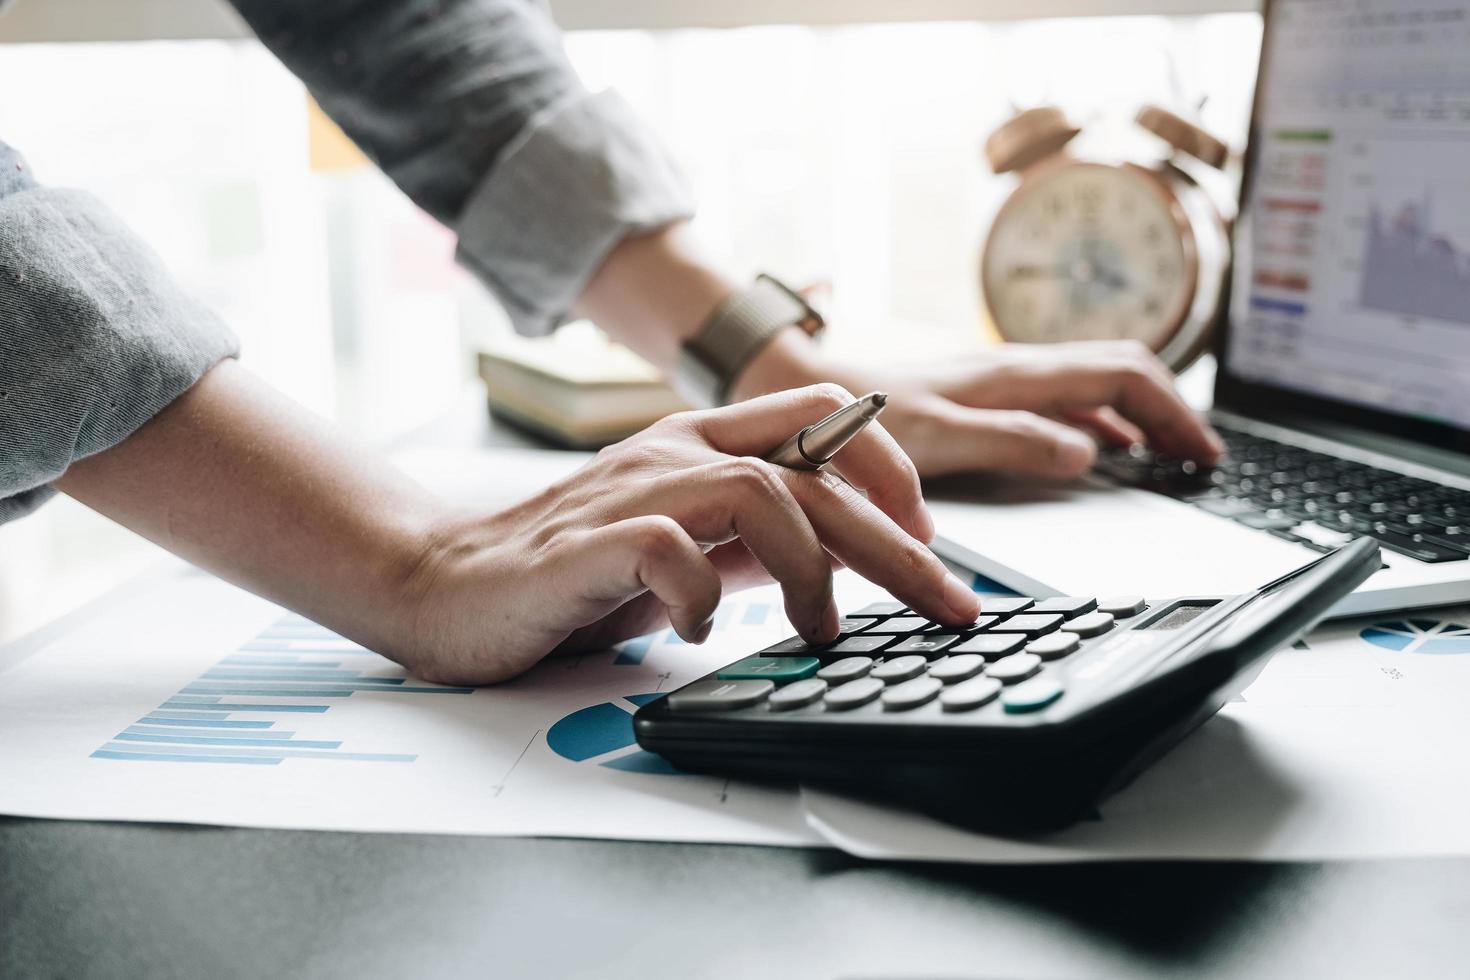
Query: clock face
(1087, 251)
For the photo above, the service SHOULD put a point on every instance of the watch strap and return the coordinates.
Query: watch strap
(737, 329)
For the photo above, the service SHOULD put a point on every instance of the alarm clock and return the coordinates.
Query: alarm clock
(1093, 250)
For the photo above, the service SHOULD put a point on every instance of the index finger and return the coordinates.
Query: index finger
(873, 460)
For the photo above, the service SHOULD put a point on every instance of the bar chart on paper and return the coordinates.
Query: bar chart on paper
(240, 710)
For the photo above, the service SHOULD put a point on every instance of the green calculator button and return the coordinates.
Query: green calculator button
(782, 670)
(1032, 695)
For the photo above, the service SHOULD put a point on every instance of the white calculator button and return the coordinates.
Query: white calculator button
(900, 668)
(1054, 646)
(853, 694)
(1016, 667)
(911, 694)
(846, 669)
(1091, 624)
(1121, 606)
(798, 694)
(971, 694)
(956, 668)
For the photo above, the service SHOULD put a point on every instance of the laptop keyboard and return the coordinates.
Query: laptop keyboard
(1311, 498)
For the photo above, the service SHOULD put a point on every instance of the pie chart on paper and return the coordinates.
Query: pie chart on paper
(602, 735)
(1419, 636)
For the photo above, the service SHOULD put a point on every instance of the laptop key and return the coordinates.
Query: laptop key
(1424, 551)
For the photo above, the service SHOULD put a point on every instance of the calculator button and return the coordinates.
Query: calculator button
(1067, 605)
(859, 644)
(1033, 695)
(1004, 605)
(1031, 624)
(991, 646)
(1054, 646)
(798, 695)
(793, 644)
(898, 624)
(781, 670)
(979, 625)
(1016, 667)
(911, 694)
(720, 695)
(878, 609)
(970, 694)
(899, 668)
(961, 667)
(1122, 606)
(854, 624)
(853, 694)
(931, 644)
(846, 669)
(1091, 624)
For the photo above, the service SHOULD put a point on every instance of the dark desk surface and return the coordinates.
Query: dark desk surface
(117, 900)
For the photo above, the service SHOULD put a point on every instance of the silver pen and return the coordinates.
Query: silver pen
(813, 447)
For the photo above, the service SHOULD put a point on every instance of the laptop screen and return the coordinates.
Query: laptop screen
(1352, 268)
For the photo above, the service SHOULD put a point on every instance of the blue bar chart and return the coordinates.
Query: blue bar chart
(748, 614)
(239, 711)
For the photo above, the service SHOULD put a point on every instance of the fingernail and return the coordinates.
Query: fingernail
(959, 597)
(1075, 453)
(830, 618)
(705, 630)
(924, 523)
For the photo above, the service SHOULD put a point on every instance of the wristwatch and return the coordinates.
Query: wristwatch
(739, 327)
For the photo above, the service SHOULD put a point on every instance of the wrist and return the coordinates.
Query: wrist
(791, 359)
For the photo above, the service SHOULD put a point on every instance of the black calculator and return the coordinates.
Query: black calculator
(1021, 722)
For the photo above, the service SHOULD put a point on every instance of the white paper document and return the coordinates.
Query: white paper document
(1352, 745)
(190, 701)
(182, 699)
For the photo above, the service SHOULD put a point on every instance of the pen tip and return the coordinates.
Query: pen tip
(880, 398)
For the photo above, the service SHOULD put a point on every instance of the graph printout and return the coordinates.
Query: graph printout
(186, 700)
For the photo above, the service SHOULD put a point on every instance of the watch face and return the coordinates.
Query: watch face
(1086, 251)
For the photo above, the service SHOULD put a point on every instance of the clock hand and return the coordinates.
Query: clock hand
(1022, 272)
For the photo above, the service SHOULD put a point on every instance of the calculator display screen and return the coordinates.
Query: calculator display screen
(1181, 616)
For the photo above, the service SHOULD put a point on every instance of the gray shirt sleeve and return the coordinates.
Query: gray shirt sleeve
(471, 107)
(95, 338)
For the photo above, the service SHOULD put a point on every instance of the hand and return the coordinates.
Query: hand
(1034, 409)
(655, 528)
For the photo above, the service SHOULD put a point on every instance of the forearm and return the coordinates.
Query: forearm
(237, 480)
(655, 291)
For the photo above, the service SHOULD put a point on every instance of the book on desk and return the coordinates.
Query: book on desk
(580, 391)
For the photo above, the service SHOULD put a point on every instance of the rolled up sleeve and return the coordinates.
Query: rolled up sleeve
(95, 337)
(472, 108)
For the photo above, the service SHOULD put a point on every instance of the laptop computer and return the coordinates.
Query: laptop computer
(1343, 380)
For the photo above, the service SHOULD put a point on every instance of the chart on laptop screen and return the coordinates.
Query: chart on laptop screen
(1355, 262)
